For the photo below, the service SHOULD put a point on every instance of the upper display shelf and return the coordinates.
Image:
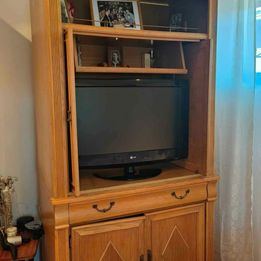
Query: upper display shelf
(152, 19)
(134, 34)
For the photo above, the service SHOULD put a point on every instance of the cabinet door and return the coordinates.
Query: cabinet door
(121, 240)
(72, 118)
(176, 235)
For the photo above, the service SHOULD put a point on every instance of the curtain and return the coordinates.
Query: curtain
(235, 94)
(257, 144)
(257, 172)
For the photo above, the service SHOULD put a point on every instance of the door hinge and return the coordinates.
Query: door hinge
(149, 255)
(69, 116)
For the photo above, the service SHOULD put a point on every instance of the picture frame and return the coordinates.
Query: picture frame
(160, 9)
(115, 56)
(116, 13)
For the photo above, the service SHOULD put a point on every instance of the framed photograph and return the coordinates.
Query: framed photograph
(114, 57)
(112, 13)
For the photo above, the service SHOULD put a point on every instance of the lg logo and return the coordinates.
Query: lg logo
(133, 157)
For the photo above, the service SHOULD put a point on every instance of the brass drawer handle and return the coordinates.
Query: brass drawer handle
(180, 197)
(104, 210)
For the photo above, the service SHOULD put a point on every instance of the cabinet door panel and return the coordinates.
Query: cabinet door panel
(72, 118)
(177, 234)
(121, 240)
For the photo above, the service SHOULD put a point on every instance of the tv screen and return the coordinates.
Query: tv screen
(130, 122)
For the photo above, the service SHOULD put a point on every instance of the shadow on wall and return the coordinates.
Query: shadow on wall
(17, 136)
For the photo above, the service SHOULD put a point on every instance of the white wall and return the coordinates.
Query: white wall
(17, 15)
(17, 138)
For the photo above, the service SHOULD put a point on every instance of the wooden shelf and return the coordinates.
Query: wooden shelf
(91, 184)
(79, 29)
(167, 37)
(81, 69)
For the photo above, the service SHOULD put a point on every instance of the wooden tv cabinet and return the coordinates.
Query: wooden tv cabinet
(168, 217)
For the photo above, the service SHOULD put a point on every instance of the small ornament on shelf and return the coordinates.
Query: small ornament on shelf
(146, 60)
(70, 10)
(6, 191)
(114, 56)
(6, 245)
(176, 22)
(152, 54)
(67, 10)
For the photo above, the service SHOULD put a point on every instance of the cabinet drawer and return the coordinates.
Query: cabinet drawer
(138, 203)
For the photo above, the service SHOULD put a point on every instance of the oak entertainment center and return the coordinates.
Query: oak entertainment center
(166, 217)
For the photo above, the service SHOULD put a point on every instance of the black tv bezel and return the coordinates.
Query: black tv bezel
(122, 159)
(135, 158)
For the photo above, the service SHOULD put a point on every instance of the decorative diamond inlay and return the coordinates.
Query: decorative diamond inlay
(111, 254)
(177, 248)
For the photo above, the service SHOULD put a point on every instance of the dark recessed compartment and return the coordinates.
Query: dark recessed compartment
(175, 16)
(159, 15)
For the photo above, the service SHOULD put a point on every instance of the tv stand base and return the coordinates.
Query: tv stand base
(130, 173)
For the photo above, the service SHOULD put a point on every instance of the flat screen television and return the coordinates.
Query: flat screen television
(130, 121)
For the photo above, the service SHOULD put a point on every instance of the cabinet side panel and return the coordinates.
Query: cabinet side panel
(50, 110)
(50, 95)
(198, 64)
(44, 132)
(212, 80)
(59, 104)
